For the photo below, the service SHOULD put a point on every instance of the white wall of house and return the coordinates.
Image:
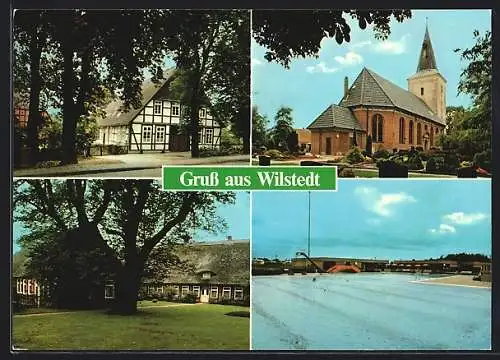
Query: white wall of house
(151, 128)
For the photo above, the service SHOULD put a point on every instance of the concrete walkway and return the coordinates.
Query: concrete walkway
(129, 162)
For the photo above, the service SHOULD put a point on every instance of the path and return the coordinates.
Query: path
(132, 165)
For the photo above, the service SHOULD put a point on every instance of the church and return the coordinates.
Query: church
(394, 118)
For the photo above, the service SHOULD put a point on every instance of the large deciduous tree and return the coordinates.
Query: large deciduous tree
(283, 128)
(124, 220)
(289, 34)
(209, 47)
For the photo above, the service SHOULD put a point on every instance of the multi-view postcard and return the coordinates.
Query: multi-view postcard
(251, 180)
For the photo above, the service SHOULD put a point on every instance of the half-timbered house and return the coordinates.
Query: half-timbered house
(157, 124)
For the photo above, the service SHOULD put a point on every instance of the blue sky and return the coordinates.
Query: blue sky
(237, 217)
(310, 85)
(390, 219)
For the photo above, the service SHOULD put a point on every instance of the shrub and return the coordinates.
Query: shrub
(347, 173)
(414, 162)
(354, 156)
(274, 154)
(435, 164)
(189, 299)
(419, 149)
(381, 154)
(483, 159)
(116, 149)
(392, 168)
(451, 162)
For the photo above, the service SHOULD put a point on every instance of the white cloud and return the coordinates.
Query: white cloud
(443, 229)
(321, 67)
(461, 218)
(350, 58)
(256, 62)
(390, 46)
(360, 44)
(382, 204)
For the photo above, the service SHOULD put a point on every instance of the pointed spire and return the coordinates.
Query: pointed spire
(427, 60)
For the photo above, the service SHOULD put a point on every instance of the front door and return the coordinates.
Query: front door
(328, 146)
(204, 295)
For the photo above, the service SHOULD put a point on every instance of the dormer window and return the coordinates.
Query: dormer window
(206, 275)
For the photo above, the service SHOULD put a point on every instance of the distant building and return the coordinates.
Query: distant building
(394, 117)
(329, 263)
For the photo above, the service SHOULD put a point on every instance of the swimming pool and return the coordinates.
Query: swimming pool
(367, 311)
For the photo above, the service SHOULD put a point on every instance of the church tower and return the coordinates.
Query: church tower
(427, 83)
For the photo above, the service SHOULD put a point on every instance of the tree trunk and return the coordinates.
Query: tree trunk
(128, 285)
(195, 127)
(69, 108)
(34, 105)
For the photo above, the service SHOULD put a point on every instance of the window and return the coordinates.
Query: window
(109, 291)
(175, 290)
(238, 294)
(419, 134)
(209, 135)
(160, 134)
(199, 136)
(196, 291)
(410, 132)
(377, 128)
(25, 287)
(202, 113)
(401, 130)
(432, 136)
(30, 287)
(157, 106)
(146, 133)
(176, 110)
(226, 292)
(206, 275)
(159, 289)
(421, 91)
(214, 292)
(185, 290)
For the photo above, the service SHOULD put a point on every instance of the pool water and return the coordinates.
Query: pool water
(367, 311)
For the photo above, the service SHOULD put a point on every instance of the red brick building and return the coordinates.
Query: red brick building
(395, 118)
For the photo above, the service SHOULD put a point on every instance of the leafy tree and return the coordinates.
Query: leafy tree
(470, 130)
(124, 219)
(283, 128)
(260, 125)
(289, 34)
(207, 47)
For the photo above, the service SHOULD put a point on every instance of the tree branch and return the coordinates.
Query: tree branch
(179, 218)
(106, 199)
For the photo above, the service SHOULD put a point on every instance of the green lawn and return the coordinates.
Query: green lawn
(196, 327)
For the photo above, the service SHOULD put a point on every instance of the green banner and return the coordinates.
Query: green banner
(186, 178)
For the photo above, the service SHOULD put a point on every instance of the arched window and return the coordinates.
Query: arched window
(419, 134)
(431, 133)
(410, 132)
(402, 130)
(377, 128)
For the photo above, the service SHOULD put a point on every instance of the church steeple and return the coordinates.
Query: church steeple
(427, 61)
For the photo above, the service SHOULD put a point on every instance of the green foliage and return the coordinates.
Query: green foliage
(288, 34)
(293, 142)
(260, 124)
(124, 219)
(220, 152)
(282, 129)
(354, 156)
(347, 173)
(274, 154)
(229, 139)
(189, 298)
(381, 154)
(435, 164)
(470, 130)
(414, 162)
(483, 159)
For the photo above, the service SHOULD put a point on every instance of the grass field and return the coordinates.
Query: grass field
(154, 327)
